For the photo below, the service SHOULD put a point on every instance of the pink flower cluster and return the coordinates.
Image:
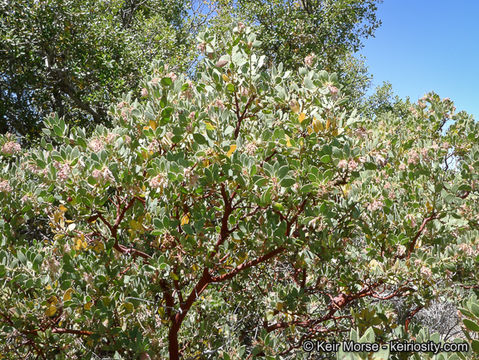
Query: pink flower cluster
(413, 157)
(309, 60)
(351, 165)
(426, 272)
(219, 104)
(5, 186)
(333, 90)
(375, 205)
(159, 181)
(63, 170)
(154, 146)
(251, 148)
(172, 76)
(96, 145)
(467, 249)
(103, 175)
(122, 104)
(111, 137)
(11, 147)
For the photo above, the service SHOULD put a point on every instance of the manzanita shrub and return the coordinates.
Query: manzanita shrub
(235, 216)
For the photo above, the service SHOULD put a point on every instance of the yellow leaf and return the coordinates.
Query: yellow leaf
(53, 300)
(185, 219)
(128, 306)
(152, 124)
(209, 126)
(80, 243)
(317, 125)
(231, 150)
(51, 310)
(288, 142)
(225, 77)
(99, 247)
(302, 116)
(346, 188)
(328, 124)
(88, 305)
(310, 130)
(49, 288)
(136, 225)
(294, 105)
(63, 208)
(174, 276)
(428, 206)
(161, 312)
(68, 295)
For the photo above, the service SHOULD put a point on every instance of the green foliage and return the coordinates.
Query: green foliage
(237, 215)
(290, 30)
(74, 57)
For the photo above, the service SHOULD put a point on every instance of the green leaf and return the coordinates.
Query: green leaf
(325, 159)
(287, 182)
(158, 224)
(21, 257)
(261, 182)
(471, 325)
(475, 346)
(200, 139)
(283, 171)
(166, 81)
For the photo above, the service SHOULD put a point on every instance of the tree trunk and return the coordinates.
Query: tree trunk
(173, 346)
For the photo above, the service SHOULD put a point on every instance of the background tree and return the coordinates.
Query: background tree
(73, 57)
(332, 31)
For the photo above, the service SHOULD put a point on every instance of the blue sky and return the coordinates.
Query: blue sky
(426, 45)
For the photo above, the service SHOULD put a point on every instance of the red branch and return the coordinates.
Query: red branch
(410, 316)
(412, 245)
(60, 331)
(247, 265)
